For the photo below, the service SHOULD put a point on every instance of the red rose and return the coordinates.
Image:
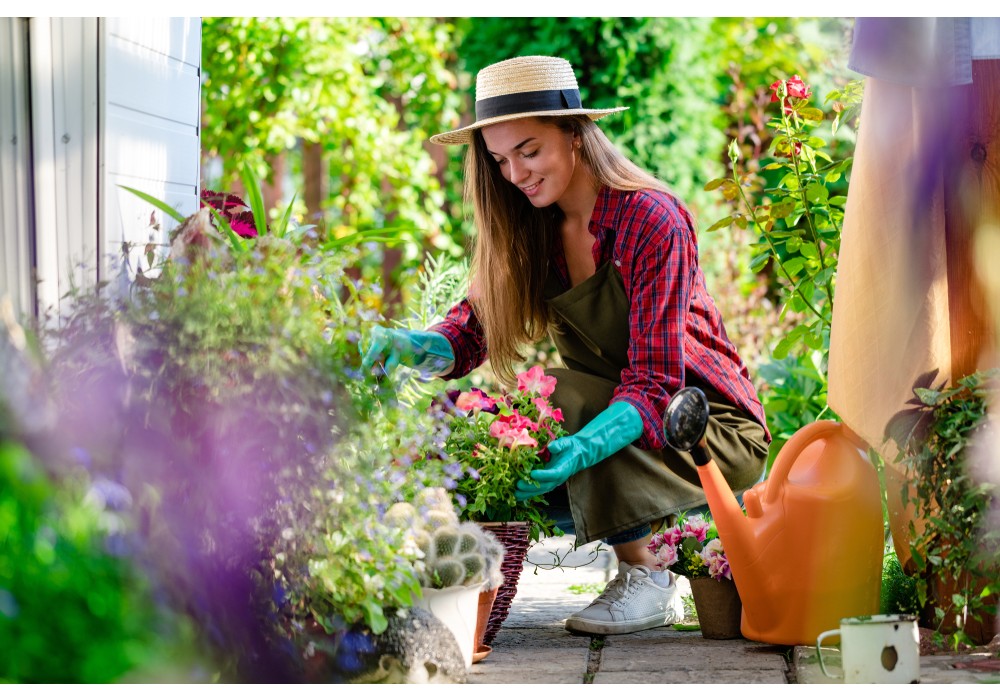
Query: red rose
(794, 87)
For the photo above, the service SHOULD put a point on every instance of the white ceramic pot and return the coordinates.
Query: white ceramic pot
(458, 608)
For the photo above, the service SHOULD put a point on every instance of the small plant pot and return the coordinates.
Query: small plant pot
(457, 608)
(486, 600)
(718, 606)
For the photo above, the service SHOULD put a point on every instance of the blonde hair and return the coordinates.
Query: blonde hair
(514, 239)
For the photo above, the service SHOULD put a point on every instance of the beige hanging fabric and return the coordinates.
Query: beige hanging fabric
(924, 179)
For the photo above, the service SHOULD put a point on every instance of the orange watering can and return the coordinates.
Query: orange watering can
(808, 550)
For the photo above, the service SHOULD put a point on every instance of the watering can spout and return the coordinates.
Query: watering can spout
(684, 428)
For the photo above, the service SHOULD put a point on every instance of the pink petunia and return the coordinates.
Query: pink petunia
(545, 410)
(535, 381)
(474, 400)
(518, 422)
(511, 436)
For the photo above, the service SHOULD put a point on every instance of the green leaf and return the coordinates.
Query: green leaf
(784, 345)
(811, 114)
(256, 200)
(721, 223)
(163, 206)
(928, 396)
(282, 227)
(759, 261)
(793, 266)
(813, 340)
(717, 183)
(220, 222)
(816, 192)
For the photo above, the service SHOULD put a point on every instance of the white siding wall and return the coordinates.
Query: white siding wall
(151, 96)
(15, 203)
(113, 101)
(63, 77)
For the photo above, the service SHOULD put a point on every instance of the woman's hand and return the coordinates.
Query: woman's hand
(426, 351)
(612, 429)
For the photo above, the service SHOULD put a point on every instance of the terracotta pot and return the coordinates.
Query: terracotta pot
(718, 606)
(486, 600)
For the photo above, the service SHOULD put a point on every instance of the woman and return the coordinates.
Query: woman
(576, 241)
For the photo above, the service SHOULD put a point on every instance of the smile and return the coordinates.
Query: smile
(532, 189)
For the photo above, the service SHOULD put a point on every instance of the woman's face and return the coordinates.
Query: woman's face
(540, 159)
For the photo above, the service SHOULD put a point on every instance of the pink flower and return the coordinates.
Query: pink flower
(474, 400)
(535, 381)
(545, 410)
(673, 535)
(664, 551)
(695, 526)
(715, 559)
(512, 431)
(666, 556)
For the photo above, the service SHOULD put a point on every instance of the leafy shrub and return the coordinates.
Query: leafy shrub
(899, 591)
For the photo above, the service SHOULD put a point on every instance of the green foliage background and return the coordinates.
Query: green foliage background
(370, 92)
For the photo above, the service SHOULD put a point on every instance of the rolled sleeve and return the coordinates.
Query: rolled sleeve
(462, 329)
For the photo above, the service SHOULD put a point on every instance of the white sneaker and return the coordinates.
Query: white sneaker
(630, 602)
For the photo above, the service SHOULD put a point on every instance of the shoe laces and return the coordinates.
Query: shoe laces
(621, 588)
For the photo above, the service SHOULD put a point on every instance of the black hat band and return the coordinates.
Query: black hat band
(521, 102)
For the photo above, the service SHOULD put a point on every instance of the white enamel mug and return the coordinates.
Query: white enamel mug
(876, 649)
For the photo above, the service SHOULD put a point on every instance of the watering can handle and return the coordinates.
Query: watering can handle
(819, 651)
(789, 453)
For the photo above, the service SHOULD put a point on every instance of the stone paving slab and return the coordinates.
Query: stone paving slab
(533, 647)
(934, 669)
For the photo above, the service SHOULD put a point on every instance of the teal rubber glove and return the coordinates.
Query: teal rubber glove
(426, 351)
(617, 426)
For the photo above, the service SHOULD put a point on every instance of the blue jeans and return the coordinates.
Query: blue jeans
(559, 511)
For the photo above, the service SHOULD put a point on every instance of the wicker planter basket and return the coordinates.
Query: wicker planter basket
(514, 538)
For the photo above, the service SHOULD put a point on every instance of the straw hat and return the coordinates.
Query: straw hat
(527, 86)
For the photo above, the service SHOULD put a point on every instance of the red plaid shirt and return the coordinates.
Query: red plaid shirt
(675, 326)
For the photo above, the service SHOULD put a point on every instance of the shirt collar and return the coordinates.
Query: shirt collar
(606, 210)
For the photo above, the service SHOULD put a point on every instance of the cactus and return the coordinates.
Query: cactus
(454, 553)
(493, 554)
(453, 558)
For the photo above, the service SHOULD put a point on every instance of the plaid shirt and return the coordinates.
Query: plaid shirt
(675, 326)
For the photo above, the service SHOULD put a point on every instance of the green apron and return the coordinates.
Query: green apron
(633, 487)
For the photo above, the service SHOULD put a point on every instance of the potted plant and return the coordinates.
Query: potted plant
(497, 439)
(454, 561)
(957, 579)
(692, 548)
